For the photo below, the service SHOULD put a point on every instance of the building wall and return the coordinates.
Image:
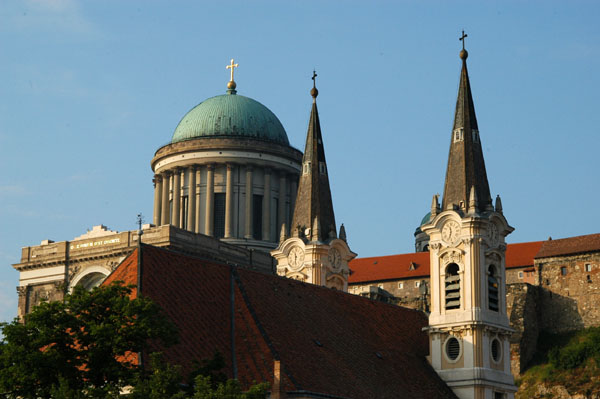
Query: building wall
(49, 270)
(571, 292)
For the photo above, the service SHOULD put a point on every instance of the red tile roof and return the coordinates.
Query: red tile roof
(328, 342)
(389, 267)
(522, 254)
(570, 246)
(395, 267)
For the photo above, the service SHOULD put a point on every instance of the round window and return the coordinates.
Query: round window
(452, 348)
(496, 349)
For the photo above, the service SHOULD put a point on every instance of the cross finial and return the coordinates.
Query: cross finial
(314, 92)
(462, 39)
(140, 220)
(232, 66)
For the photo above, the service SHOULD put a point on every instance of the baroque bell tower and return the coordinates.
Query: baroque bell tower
(314, 253)
(468, 326)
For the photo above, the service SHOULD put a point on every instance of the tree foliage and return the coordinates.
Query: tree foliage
(85, 344)
(86, 348)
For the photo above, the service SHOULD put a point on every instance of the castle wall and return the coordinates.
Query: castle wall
(523, 308)
(571, 291)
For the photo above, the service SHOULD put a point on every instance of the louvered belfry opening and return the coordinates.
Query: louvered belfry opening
(452, 285)
(452, 348)
(492, 289)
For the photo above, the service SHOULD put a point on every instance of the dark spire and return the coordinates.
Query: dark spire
(466, 167)
(313, 203)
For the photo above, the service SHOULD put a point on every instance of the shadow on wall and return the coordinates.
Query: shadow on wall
(531, 310)
(559, 314)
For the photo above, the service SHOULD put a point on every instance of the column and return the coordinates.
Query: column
(191, 216)
(176, 216)
(229, 202)
(281, 211)
(164, 214)
(249, 221)
(157, 197)
(266, 225)
(210, 198)
(293, 194)
(197, 196)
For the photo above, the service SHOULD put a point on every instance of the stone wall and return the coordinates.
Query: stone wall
(523, 309)
(571, 292)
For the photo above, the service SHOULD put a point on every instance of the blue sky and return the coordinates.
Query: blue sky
(90, 90)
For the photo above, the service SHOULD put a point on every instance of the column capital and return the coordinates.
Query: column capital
(249, 168)
(166, 173)
(22, 290)
(210, 166)
(268, 171)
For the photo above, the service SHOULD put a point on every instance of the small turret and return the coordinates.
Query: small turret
(498, 204)
(343, 233)
(473, 203)
(435, 205)
(283, 235)
(316, 230)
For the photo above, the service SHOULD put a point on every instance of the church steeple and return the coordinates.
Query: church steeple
(314, 195)
(314, 253)
(469, 331)
(466, 167)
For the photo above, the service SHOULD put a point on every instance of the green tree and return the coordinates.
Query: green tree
(231, 389)
(84, 346)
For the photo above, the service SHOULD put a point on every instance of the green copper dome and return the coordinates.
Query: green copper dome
(230, 115)
(425, 219)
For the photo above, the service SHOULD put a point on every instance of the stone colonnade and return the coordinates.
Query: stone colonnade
(191, 197)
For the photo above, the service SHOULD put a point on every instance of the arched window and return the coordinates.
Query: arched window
(492, 289)
(452, 286)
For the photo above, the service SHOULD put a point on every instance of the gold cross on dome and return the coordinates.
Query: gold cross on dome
(462, 39)
(232, 66)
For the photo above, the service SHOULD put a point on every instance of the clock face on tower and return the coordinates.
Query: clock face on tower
(450, 232)
(335, 258)
(295, 257)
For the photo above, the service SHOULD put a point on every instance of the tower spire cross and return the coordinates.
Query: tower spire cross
(462, 39)
(314, 78)
(232, 66)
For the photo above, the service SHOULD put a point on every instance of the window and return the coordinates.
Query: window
(475, 135)
(400, 286)
(417, 284)
(496, 350)
(452, 287)
(219, 215)
(452, 349)
(322, 168)
(184, 212)
(306, 168)
(257, 205)
(459, 135)
(563, 270)
(588, 267)
(499, 395)
(492, 289)
(520, 274)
